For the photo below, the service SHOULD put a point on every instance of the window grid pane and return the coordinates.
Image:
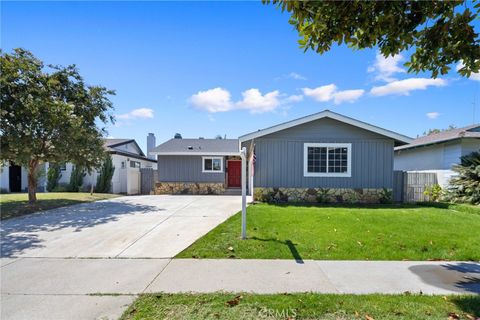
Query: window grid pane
(317, 159)
(337, 160)
(208, 164)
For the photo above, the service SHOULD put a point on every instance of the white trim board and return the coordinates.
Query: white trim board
(308, 174)
(321, 115)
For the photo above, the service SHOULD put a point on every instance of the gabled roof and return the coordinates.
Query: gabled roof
(115, 142)
(210, 147)
(399, 138)
(472, 131)
(111, 144)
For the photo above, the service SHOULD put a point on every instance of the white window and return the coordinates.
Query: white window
(327, 160)
(212, 164)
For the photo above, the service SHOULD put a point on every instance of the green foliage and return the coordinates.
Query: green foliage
(439, 33)
(62, 187)
(386, 196)
(435, 131)
(53, 175)
(433, 192)
(76, 179)
(49, 114)
(465, 187)
(323, 195)
(104, 180)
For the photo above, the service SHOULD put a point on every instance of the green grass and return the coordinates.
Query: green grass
(302, 306)
(443, 232)
(16, 204)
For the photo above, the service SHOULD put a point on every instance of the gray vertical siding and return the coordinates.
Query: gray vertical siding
(280, 157)
(186, 169)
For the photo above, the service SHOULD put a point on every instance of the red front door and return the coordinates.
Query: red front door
(234, 173)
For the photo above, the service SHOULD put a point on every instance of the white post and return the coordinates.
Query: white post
(243, 155)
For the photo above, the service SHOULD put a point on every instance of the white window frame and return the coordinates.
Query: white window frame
(327, 174)
(212, 171)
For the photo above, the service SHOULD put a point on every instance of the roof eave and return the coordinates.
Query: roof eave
(177, 153)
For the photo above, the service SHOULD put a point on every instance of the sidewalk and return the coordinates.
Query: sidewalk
(355, 277)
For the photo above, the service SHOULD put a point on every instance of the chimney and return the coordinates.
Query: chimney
(150, 145)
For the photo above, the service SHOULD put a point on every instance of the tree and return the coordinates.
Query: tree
(104, 180)
(435, 131)
(465, 186)
(53, 175)
(76, 178)
(177, 136)
(48, 114)
(439, 32)
(218, 137)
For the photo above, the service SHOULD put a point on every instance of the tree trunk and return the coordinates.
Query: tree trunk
(91, 183)
(32, 180)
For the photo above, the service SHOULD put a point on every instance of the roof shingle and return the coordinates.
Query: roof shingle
(472, 131)
(200, 146)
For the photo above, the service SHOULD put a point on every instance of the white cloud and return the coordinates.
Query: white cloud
(385, 68)
(219, 100)
(473, 76)
(329, 92)
(254, 101)
(140, 113)
(432, 115)
(321, 94)
(291, 75)
(403, 87)
(347, 95)
(213, 100)
(293, 98)
(296, 76)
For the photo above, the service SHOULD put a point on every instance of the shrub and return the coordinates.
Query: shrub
(465, 186)
(62, 187)
(323, 195)
(76, 179)
(104, 180)
(385, 196)
(433, 192)
(53, 176)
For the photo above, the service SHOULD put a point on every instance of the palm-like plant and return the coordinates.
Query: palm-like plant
(465, 186)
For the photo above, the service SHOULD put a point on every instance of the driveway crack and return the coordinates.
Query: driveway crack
(155, 226)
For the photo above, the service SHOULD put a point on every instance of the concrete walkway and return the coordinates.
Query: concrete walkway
(355, 277)
(52, 288)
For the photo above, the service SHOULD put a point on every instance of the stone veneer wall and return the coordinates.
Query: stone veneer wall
(189, 188)
(322, 195)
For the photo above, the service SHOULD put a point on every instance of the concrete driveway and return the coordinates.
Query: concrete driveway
(67, 263)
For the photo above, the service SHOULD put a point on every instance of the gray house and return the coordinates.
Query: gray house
(325, 155)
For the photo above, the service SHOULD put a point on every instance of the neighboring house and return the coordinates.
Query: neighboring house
(127, 158)
(438, 152)
(324, 154)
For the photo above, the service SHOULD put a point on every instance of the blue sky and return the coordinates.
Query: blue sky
(208, 68)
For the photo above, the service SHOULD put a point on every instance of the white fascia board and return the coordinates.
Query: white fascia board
(326, 114)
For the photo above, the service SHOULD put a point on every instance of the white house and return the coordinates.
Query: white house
(438, 152)
(127, 158)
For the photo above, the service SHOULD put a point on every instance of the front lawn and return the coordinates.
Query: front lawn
(302, 306)
(16, 204)
(346, 233)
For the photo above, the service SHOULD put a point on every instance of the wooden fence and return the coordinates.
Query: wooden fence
(409, 186)
(148, 176)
